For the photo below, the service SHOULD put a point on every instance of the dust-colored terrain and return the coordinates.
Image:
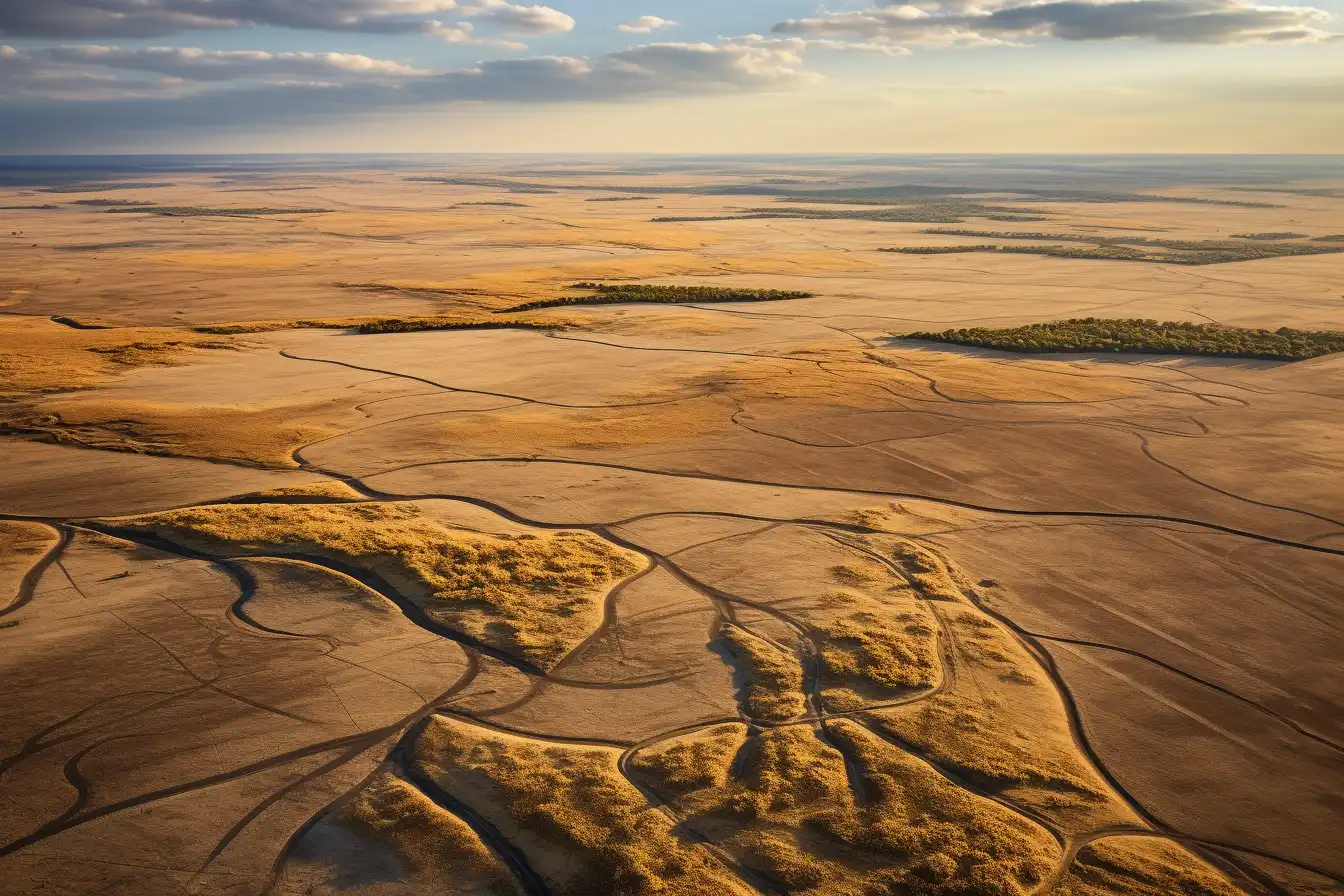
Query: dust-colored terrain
(393, 542)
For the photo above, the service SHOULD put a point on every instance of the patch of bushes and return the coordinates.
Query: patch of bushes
(192, 211)
(643, 293)
(1134, 335)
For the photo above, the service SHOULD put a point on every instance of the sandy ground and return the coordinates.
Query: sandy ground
(1111, 586)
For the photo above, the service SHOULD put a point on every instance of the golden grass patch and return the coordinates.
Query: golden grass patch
(582, 826)
(788, 812)
(774, 677)
(533, 595)
(555, 430)
(877, 651)
(430, 839)
(266, 436)
(1141, 866)
(37, 355)
(333, 490)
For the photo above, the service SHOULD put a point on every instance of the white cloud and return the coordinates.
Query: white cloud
(84, 19)
(646, 25)
(518, 19)
(1165, 21)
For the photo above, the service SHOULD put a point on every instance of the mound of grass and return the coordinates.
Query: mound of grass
(534, 596)
(1329, 238)
(648, 294)
(192, 211)
(1141, 866)
(1133, 335)
(888, 653)
(1273, 235)
(499, 204)
(29, 208)
(430, 839)
(774, 688)
(568, 809)
(788, 812)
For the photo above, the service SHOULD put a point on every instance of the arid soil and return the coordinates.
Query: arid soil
(740, 598)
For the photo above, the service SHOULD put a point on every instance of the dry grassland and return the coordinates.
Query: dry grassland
(582, 826)
(535, 596)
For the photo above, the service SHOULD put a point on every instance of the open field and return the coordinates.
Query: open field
(646, 530)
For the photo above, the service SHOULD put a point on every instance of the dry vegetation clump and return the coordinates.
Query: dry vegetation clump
(877, 640)
(38, 355)
(260, 436)
(372, 325)
(939, 250)
(891, 652)
(319, 491)
(789, 813)
(1133, 335)
(192, 211)
(1141, 866)
(693, 762)
(926, 572)
(431, 840)
(774, 677)
(535, 596)
(642, 293)
(984, 742)
(1271, 235)
(581, 825)
(1002, 727)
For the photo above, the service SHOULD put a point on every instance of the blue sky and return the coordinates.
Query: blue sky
(672, 75)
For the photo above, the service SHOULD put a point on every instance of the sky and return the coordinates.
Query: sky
(674, 76)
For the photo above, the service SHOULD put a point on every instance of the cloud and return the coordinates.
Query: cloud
(190, 64)
(518, 19)
(281, 90)
(93, 19)
(646, 25)
(1165, 21)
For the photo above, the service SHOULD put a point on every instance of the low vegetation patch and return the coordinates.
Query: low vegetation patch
(921, 213)
(1141, 866)
(535, 596)
(1133, 335)
(374, 325)
(940, 250)
(430, 839)
(115, 203)
(648, 294)
(788, 812)
(774, 677)
(192, 211)
(1273, 235)
(581, 825)
(1138, 248)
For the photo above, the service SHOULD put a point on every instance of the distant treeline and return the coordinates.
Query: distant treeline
(1134, 248)
(639, 293)
(191, 211)
(1140, 336)
(878, 194)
